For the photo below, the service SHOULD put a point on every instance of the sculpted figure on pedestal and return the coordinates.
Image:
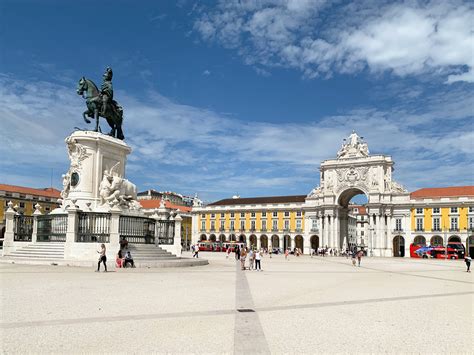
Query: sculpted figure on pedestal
(102, 104)
(116, 191)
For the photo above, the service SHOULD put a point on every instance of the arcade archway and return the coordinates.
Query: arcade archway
(470, 245)
(264, 241)
(299, 243)
(314, 242)
(212, 238)
(419, 240)
(436, 241)
(275, 241)
(253, 241)
(203, 237)
(398, 246)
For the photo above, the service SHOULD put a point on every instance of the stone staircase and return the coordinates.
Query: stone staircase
(144, 253)
(39, 251)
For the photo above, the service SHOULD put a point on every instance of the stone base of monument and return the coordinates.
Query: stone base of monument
(98, 206)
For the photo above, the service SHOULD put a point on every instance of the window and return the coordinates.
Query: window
(471, 209)
(436, 226)
(232, 215)
(264, 214)
(419, 211)
(287, 214)
(398, 224)
(314, 224)
(213, 215)
(287, 225)
(242, 214)
(222, 215)
(435, 210)
(454, 223)
(275, 225)
(471, 223)
(22, 205)
(232, 225)
(298, 224)
(47, 209)
(419, 224)
(298, 213)
(9, 194)
(252, 215)
(275, 214)
(361, 233)
(242, 225)
(35, 198)
(264, 225)
(22, 196)
(203, 225)
(454, 210)
(252, 225)
(222, 225)
(362, 218)
(355, 210)
(213, 225)
(203, 216)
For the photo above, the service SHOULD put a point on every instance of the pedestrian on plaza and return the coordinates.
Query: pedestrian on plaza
(258, 258)
(270, 252)
(193, 250)
(243, 256)
(196, 250)
(237, 252)
(119, 259)
(251, 259)
(227, 253)
(286, 254)
(347, 253)
(467, 260)
(102, 258)
(359, 257)
(353, 259)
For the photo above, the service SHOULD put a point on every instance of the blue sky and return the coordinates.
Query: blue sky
(242, 97)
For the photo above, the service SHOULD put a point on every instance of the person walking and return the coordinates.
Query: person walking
(243, 256)
(258, 258)
(227, 252)
(359, 257)
(196, 250)
(237, 252)
(102, 258)
(467, 260)
(353, 258)
(251, 259)
(286, 254)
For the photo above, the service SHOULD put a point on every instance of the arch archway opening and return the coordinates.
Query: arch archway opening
(353, 219)
(264, 241)
(436, 241)
(253, 241)
(419, 240)
(299, 243)
(275, 242)
(203, 237)
(314, 240)
(398, 246)
(470, 245)
(212, 238)
(222, 238)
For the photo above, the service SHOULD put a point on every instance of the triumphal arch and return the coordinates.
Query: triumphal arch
(355, 171)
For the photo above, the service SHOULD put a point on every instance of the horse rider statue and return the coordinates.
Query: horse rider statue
(102, 103)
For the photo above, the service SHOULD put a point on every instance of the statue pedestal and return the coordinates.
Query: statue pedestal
(91, 154)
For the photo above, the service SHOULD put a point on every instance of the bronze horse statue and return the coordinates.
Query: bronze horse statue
(113, 114)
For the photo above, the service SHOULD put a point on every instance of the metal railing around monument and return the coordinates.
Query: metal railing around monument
(23, 228)
(137, 230)
(93, 227)
(165, 232)
(51, 228)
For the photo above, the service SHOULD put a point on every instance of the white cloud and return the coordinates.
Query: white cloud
(319, 38)
(190, 149)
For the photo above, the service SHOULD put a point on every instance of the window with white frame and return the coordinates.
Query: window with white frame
(242, 225)
(242, 214)
(298, 224)
(287, 225)
(275, 225)
(471, 223)
(436, 224)
(252, 225)
(435, 210)
(275, 214)
(287, 214)
(203, 225)
(299, 213)
(232, 225)
(264, 214)
(398, 224)
(222, 215)
(419, 224)
(222, 225)
(454, 223)
(314, 224)
(232, 215)
(454, 210)
(213, 215)
(471, 209)
(252, 215)
(213, 225)
(264, 225)
(203, 216)
(419, 211)
(361, 233)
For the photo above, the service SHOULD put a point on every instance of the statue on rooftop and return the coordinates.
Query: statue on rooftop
(101, 103)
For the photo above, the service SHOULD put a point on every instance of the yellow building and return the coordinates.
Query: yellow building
(262, 222)
(25, 198)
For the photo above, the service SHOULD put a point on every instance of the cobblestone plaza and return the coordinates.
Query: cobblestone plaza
(309, 305)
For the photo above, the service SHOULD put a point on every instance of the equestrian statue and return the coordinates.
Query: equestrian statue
(101, 103)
